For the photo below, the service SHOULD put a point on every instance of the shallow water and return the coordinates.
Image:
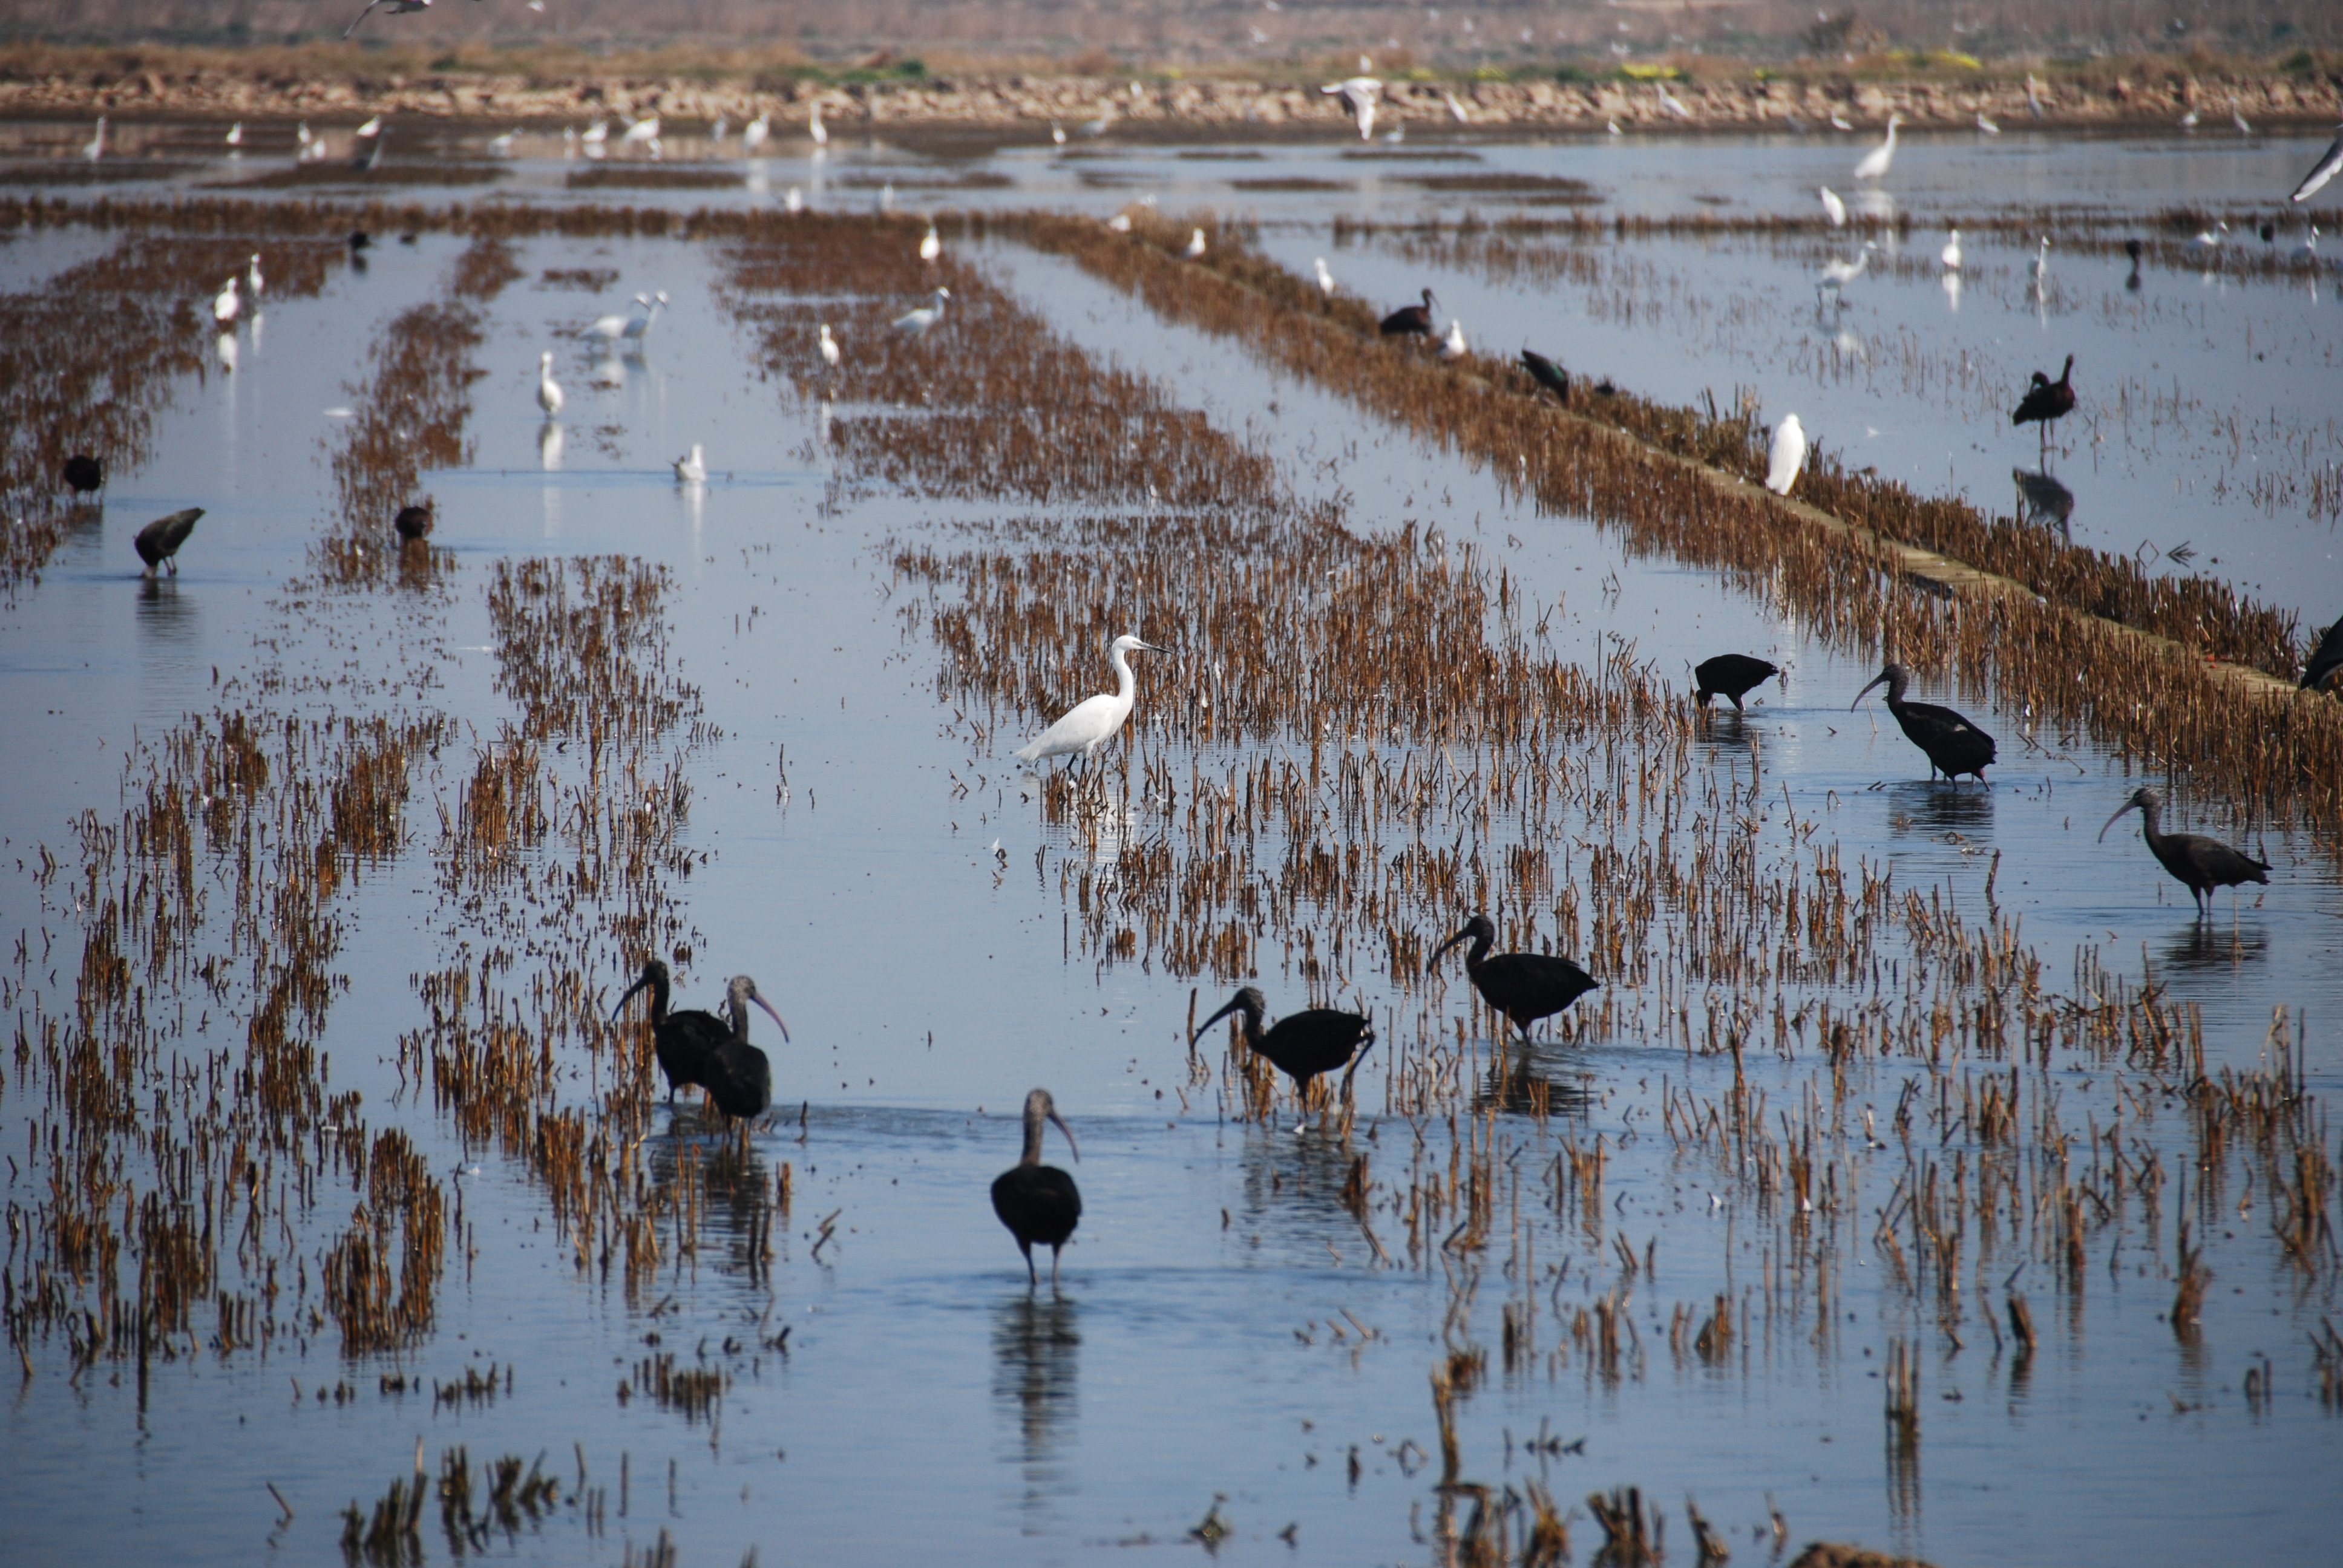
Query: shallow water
(927, 1402)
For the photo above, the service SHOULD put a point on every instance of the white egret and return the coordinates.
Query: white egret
(1786, 455)
(916, 322)
(2188, 121)
(610, 328)
(503, 145)
(692, 469)
(640, 327)
(1875, 162)
(1987, 125)
(1357, 96)
(1099, 127)
(1840, 122)
(2239, 120)
(1453, 346)
(1455, 108)
(396, 8)
(829, 347)
(1615, 129)
(2310, 242)
(1325, 278)
(1057, 133)
(1837, 274)
(814, 127)
(1951, 255)
(1671, 103)
(2033, 96)
(2211, 238)
(1836, 207)
(643, 130)
(1094, 721)
(753, 134)
(2041, 268)
(235, 136)
(252, 277)
(794, 201)
(1195, 244)
(1120, 222)
(373, 127)
(301, 140)
(549, 390)
(596, 134)
(930, 247)
(716, 132)
(887, 197)
(2325, 170)
(225, 304)
(95, 148)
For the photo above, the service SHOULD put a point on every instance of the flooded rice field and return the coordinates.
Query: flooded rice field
(1920, 1170)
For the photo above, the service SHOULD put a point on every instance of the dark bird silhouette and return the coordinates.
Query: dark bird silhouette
(1411, 318)
(2043, 499)
(1524, 986)
(738, 1076)
(1039, 1203)
(83, 474)
(1302, 1044)
(413, 523)
(2132, 249)
(683, 1041)
(2046, 401)
(1733, 675)
(2326, 661)
(360, 240)
(1547, 374)
(1951, 742)
(158, 542)
(2198, 863)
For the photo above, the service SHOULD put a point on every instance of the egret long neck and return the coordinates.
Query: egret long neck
(1032, 1155)
(1126, 683)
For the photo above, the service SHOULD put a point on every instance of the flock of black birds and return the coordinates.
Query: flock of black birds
(158, 543)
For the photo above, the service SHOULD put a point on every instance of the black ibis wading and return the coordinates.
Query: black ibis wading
(738, 1076)
(683, 1041)
(413, 523)
(1953, 745)
(158, 542)
(2198, 863)
(1302, 1044)
(1524, 986)
(1039, 1203)
(1547, 374)
(2046, 401)
(1411, 320)
(83, 474)
(1730, 674)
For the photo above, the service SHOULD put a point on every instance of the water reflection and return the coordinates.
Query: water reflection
(1036, 1354)
(2042, 500)
(549, 441)
(1935, 808)
(2206, 945)
(166, 621)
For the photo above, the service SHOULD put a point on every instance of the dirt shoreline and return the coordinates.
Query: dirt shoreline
(2147, 100)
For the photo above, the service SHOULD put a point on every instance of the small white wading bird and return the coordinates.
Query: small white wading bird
(1875, 162)
(930, 247)
(692, 469)
(1837, 274)
(1788, 454)
(225, 304)
(1325, 278)
(1094, 721)
(794, 201)
(753, 134)
(549, 390)
(1358, 99)
(610, 328)
(815, 128)
(2324, 170)
(95, 148)
(918, 321)
(1195, 244)
(829, 347)
(1835, 206)
(1951, 255)
(642, 130)
(1987, 125)
(235, 137)
(1453, 346)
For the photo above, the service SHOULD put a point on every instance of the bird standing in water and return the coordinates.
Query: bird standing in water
(1039, 1203)
(2198, 863)
(1094, 721)
(1524, 986)
(1303, 1044)
(1951, 741)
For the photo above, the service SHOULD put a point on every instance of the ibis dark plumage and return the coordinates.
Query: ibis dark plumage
(1039, 1203)
(413, 523)
(2046, 401)
(1547, 374)
(738, 1076)
(2198, 863)
(1411, 320)
(683, 1041)
(1952, 744)
(1301, 1045)
(1732, 675)
(83, 474)
(1524, 986)
(158, 542)
(2326, 661)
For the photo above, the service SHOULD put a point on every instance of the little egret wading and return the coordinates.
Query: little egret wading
(1094, 721)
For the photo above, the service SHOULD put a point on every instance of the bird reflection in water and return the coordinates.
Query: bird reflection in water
(1933, 811)
(2205, 947)
(1036, 1372)
(2042, 500)
(165, 617)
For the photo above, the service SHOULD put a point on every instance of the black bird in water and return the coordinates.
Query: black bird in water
(2326, 661)
(413, 523)
(1039, 1203)
(2132, 249)
(2046, 401)
(1524, 986)
(83, 474)
(738, 1076)
(1733, 675)
(1302, 1044)
(1951, 741)
(1547, 374)
(158, 542)
(1410, 319)
(683, 1041)
(360, 240)
(2198, 863)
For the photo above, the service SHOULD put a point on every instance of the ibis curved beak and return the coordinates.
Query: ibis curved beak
(2127, 806)
(1445, 947)
(1212, 1020)
(630, 995)
(761, 1002)
(1069, 1136)
(1877, 680)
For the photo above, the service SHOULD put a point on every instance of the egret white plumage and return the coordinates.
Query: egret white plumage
(1615, 129)
(1834, 206)
(1840, 122)
(549, 390)
(95, 148)
(753, 134)
(1786, 455)
(1987, 125)
(828, 345)
(1057, 133)
(1325, 278)
(394, 7)
(235, 136)
(610, 328)
(692, 469)
(1095, 720)
(1453, 346)
(502, 146)
(1951, 255)
(2239, 120)
(1097, 127)
(301, 140)
(930, 247)
(1195, 244)
(1875, 162)
(2328, 164)
(639, 326)
(2211, 238)
(1837, 274)
(814, 127)
(2033, 96)
(2188, 121)
(794, 201)
(1120, 222)
(596, 134)
(372, 128)
(252, 280)
(226, 304)
(2042, 265)
(916, 322)
(646, 129)
(1671, 103)
(1455, 109)
(1357, 95)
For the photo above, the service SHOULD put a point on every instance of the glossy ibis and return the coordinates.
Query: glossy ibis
(916, 322)
(1410, 319)
(1951, 741)
(2046, 400)
(1094, 721)
(1732, 675)
(2042, 497)
(1524, 986)
(413, 523)
(158, 542)
(549, 390)
(2321, 172)
(1875, 162)
(83, 474)
(738, 1076)
(683, 1041)
(1039, 1203)
(2326, 661)
(1303, 1044)
(360, 240)
(1547, 374)
(2198, 863)
(1786, 456)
